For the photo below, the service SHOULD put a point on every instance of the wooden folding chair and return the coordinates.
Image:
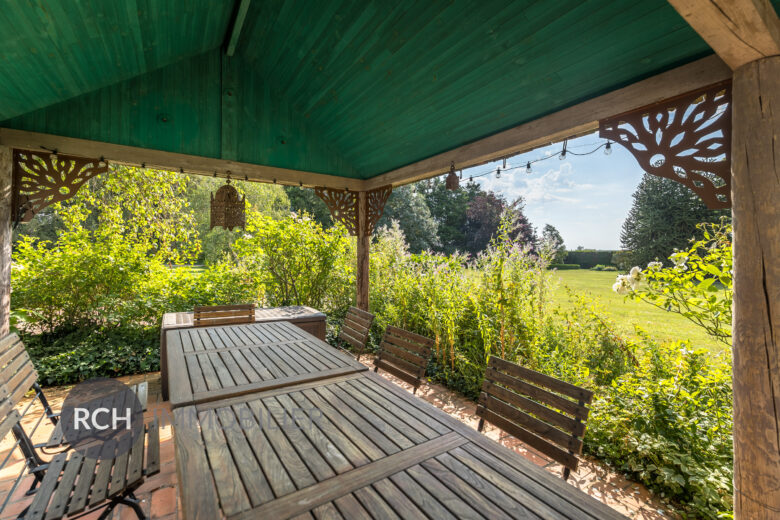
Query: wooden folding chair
(355, 329)
(209, 316)
(18, 375)
(71, 483)
(546, 413)
(405, 355)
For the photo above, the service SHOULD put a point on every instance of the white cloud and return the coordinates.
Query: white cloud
(554, 185)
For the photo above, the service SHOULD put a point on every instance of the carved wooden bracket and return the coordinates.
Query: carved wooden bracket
(686, 139)
(344, 206)
(43, 178)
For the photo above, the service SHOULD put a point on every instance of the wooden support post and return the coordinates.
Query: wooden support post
(756, 211)
(363, 245)
(6, 161)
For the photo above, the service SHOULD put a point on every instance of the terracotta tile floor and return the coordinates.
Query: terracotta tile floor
(159, 493)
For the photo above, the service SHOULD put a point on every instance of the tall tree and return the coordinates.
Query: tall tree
(662, 218)
(522, 233)
(458, 216)
(407, 206)
(552, 244)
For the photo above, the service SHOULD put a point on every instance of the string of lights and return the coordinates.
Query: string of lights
(607, 146)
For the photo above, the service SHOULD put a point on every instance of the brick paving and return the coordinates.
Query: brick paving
(159, 494)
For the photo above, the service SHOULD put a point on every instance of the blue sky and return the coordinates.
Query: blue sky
(586, 198)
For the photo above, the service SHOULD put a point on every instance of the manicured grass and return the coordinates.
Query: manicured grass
(662, 325)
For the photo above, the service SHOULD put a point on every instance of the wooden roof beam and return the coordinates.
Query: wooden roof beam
(236, 26)
(191, 164)
(570, 122)
(739, 31)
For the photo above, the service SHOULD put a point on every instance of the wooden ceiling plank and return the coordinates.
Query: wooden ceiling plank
(576, 120)
(739, 31)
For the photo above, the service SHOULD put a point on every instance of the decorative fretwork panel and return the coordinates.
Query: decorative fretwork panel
(344, 206)
(687, 139)
(376, 200)
(43, 178)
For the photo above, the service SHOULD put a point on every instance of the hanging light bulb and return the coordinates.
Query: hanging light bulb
(528, 167)
(562, 156)
(498, 173)
(608, 148)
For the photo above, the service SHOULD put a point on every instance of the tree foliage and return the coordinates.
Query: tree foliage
(407, 206)
(662, 218)
(552, 244)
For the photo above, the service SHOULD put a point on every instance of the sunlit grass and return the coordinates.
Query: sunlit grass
(662, 325)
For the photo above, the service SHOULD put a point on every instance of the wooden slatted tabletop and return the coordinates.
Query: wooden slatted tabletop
(355, 446)
(210, 363)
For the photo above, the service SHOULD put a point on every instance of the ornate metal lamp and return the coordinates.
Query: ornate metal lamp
(452, 182)
(228, 210)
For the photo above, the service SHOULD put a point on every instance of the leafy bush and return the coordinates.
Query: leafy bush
(668, 424)
(85, 353)
(563, 267)
(601, 267)
(698, 286)
(297, 262)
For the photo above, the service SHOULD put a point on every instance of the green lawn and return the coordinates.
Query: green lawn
(662, 325)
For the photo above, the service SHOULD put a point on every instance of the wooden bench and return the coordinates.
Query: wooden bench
(543, 412)
(209, 316)
(355, 329)
(18, 375)
(404, 354)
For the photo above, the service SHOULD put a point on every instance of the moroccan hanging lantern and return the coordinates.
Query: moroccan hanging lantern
(452, 182)
(228, 210)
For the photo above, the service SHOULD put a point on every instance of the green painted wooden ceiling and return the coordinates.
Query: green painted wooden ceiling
(351, 88)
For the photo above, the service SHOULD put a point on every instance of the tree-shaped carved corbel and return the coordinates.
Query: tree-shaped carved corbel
(43, 178)
(686, 139)
(343, 206)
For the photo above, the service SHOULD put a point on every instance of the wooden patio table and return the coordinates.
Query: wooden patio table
(355, 446)
(309, 319)
(211, 363)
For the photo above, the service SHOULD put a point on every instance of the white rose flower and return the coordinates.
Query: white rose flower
(679, 259)
(622, 285)
(655, 266)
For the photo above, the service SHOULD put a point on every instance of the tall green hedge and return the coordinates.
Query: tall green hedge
(588, 259)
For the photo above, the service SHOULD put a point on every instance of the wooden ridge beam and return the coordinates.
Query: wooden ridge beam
(570, 122)
(739, 31)
(236, 26)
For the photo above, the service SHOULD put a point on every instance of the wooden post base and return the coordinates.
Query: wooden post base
(756, 212)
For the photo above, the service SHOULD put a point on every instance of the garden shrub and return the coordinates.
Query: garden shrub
(668, 424)
(589, 258)
(563, 267)
(85, 353)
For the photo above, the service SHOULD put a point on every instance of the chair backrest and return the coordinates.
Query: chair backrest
(543, 412)
(207, 316)
(355, 329)
(17, 373)
(404, 354)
